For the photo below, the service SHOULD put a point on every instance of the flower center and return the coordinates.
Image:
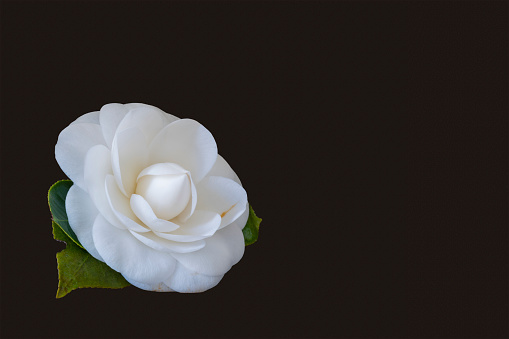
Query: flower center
(167, 194)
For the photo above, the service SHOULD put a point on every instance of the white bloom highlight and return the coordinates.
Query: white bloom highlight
(152, 198)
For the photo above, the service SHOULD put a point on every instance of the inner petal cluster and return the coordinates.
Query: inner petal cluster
(164, 202)
(167, 194)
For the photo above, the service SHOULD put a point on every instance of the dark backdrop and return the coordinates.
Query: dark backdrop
(371, 138)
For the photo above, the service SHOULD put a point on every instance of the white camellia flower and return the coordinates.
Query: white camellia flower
(152, 198)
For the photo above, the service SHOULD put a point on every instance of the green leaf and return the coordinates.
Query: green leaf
(56, 201)
(60, 235)
(252, 228)
(76, 267)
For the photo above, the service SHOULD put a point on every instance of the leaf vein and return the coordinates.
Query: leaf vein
(78, 269)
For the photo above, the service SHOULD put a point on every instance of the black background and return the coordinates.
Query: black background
(371, 138)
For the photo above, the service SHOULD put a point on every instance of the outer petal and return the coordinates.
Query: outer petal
(160, 287)
(223, 196)
(91, 118)
(110, 117)
(148, 119)
(185, 280)
(242, 220)
(222, 169)
(125, 254)
(169, 118)
(81, 213)
(186, 143)
(221, 252)
(72, 146)
(97, 167)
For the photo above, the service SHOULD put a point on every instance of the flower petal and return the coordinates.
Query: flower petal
(191, 205)
(222, 169)
(168, 246)
(160, 287)
(128, 158)
(72, 146)
(179, 196)
(125, 254)
(179, 237)
(169, 118)
(186, 143)
(162, 169)
(97, 167)
(242, 220)
(148, 119)
(91, 118)
(121, 207)
(144, 212)
(223, 196)
(110, 117)
(185, 280)
(204, 223)
(221, 252)
(81, 214)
